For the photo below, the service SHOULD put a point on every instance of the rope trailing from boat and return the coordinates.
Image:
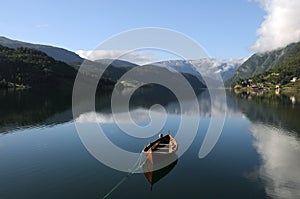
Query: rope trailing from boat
(135, 167)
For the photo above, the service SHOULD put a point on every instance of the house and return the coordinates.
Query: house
(293, 99)
(254, 86)
(237, 86)
(294, 79)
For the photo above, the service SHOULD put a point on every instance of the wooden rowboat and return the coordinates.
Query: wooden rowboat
(163, 146)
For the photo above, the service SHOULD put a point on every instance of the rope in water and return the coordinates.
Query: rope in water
(135, 167)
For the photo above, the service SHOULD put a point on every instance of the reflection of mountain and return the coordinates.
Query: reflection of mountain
(31, 108)
(274, 110)
(279, 151)
(276, 134)
(28, 108)
(153, 175)
(143, 100)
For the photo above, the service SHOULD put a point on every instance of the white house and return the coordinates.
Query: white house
(294, 79)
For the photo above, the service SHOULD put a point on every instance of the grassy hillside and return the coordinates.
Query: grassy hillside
(289, 67)
(262, 62)
(282, 73)
(25, 67)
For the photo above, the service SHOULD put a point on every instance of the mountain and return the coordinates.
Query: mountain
(19, 53)
(118, 68)
(183, 66)
(206, 66)
(282, 73)
(226, 67)
(261, 62)
(58, 54)
(116, 62)
(27, 67)
(23, 67)
(94, 68)
(114, 71)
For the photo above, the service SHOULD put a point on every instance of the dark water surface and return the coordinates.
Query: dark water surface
(42, 156)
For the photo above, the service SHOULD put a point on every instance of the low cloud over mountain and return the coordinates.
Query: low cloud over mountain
(281, 25)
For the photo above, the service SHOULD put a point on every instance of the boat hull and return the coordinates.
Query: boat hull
(161, 165)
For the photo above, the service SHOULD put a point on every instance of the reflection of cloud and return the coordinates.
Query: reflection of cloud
(138, 57)
(138, 115)
(218, 105)
(280, 153)
(91, 117)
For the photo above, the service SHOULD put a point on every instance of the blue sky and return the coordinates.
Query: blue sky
(224, 28)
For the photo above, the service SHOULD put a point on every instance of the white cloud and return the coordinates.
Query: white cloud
(42, 26)
(138, 57)
(279, 151)
(281, 25)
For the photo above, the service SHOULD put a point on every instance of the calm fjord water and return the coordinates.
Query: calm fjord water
(41, 155)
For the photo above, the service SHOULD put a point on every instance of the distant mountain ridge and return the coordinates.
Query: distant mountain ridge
(207, 66)
(26, 67)
(225, 67)
(190, 68)
(116, 62)
(58, 54)
(260, 63)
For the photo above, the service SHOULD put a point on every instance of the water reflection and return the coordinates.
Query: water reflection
(140, 109)
(29, 108)
(293, 100)
(280, 168)
(137, 115)
(269, 109)
(149, 167)
(55, 161)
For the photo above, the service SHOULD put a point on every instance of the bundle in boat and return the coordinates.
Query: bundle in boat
(157, 150)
